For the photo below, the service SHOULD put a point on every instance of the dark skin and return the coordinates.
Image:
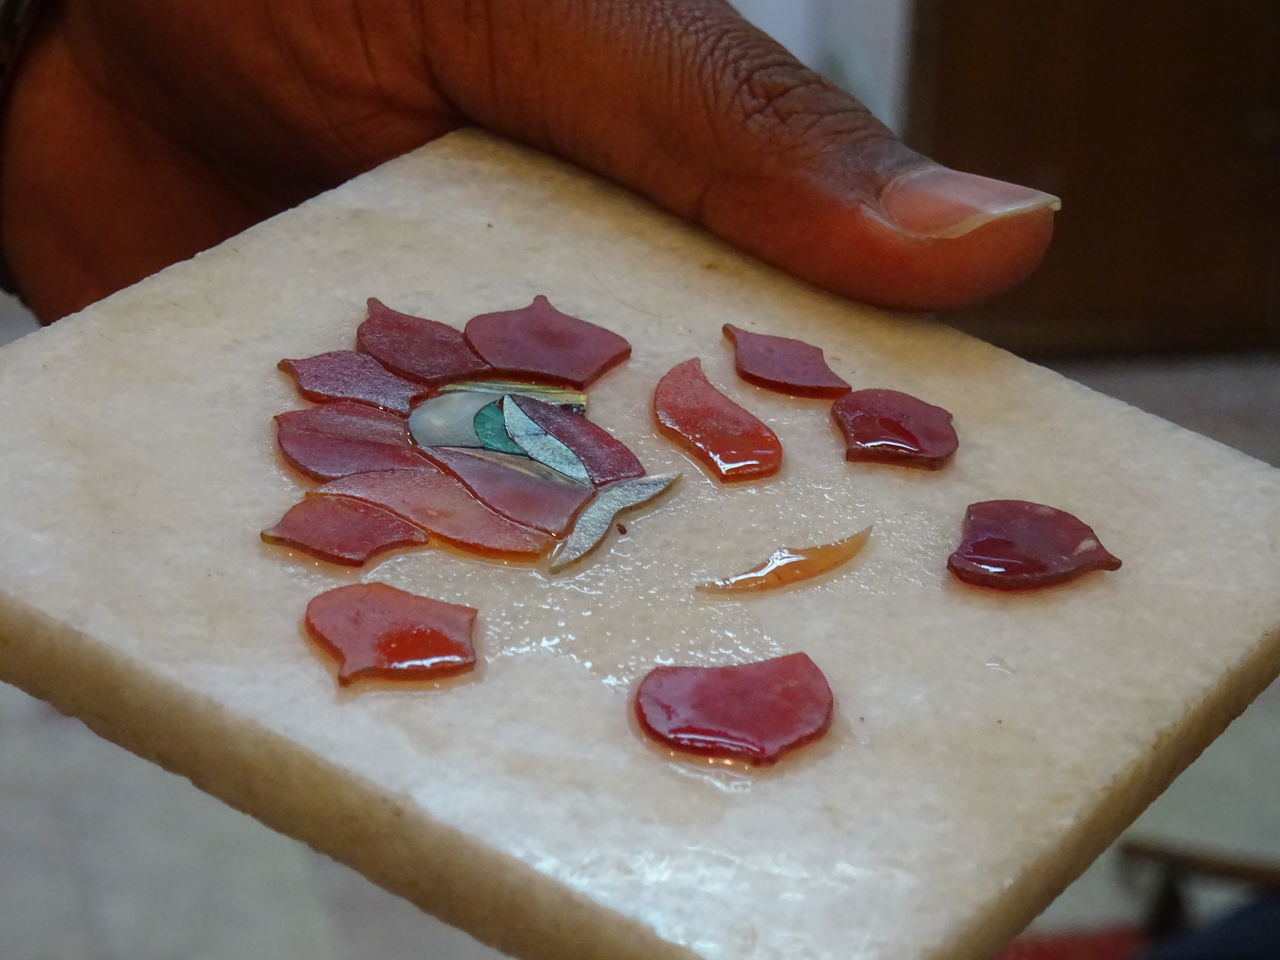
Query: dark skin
(142, 131)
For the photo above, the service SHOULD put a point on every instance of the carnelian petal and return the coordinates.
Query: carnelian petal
(753, 711)
(783, 364)
(516, 487)
(342, 530)
(347, 375)
(606, 458)
(788, 565)
(886, 426)
(538, 342)
(337, 439)
(1019, 545)
(377, 631)
(728, 439)
(424, 350)
(437, 501)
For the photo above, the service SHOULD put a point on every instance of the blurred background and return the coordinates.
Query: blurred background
(1158, 123)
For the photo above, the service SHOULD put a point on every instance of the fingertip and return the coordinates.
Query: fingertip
(939, 203)
(855, 248)
(950, 272)
(964, 238)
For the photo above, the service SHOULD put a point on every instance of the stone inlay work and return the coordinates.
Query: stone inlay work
(419, 446)
(419, 442)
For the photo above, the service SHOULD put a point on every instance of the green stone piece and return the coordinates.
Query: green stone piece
(490, 427)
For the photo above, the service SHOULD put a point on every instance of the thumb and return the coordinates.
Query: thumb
(685, 102)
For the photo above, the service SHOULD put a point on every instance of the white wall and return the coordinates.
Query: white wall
(793, 23)
(862, 45)
(866, 48)
(15, 319)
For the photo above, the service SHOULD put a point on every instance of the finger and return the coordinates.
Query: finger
(96, 200)
(688, 104)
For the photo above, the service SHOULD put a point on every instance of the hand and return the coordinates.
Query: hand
(142, 131)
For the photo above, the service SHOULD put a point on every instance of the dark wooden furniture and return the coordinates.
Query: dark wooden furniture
(1158, 123)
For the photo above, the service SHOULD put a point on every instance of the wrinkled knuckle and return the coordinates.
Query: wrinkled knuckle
(779, 93)
(786, 107)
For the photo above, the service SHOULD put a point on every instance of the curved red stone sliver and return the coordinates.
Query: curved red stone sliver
(521, 495)
(438, 502)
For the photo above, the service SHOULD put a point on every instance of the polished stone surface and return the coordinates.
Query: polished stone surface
(104, 843)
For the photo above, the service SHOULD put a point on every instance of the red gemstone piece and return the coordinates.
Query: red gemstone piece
(337, 439)
(342, 530)
(754, 712)
(436, 501)
(377, 631)
(516, 487)
(885, 426)
(540, 343)
(782, 364)
(606, 458)
(1019, 545)
(424, 350)
(347, 375)
(724, 436)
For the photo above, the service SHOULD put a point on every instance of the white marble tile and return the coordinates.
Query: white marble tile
(1225, 801)
(373, 925)
(96, 846)
(1233, 398)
